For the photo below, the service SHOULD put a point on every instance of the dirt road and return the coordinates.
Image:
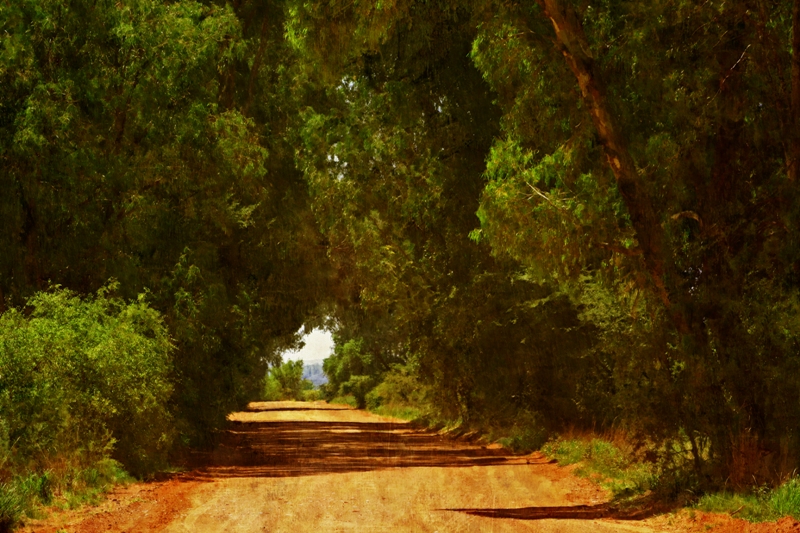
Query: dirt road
(302, 467)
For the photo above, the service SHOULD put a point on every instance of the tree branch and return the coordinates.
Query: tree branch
(577, 52)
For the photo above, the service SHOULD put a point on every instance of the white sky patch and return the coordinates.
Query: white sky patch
(319, 345)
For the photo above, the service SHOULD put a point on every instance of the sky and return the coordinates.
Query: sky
(319, 345)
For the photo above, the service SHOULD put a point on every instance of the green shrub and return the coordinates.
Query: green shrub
(11, 507)
(750, 507)
(311, 395)
(358, 387)
(272, 388)
(402, 412)
(566, 452)
(524, 439)
(83, 379)
(785, 500)
(613, 468)
(344, 400)
(760, 506)
(36, 487)
(398, 395)
(284, 382)
(351, 371)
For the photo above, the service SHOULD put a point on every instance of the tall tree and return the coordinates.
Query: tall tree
(142, 141)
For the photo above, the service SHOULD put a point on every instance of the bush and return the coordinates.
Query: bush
(351, 371)
(83, 379)
(344, 400)
(284, 382)
(527, 434)
(311, 395)
(606, 463)
(786, 499)
(272, 388)
(399, 388)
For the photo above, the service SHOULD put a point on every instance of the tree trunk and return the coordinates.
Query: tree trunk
(649, 233)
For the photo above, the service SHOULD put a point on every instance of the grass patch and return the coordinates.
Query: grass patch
(747, 506)
(760, 506)
(403, 412)
(29, 495)
(606, 463)
(786, 499)
(89, 485)
(11, 507)
(345, 400)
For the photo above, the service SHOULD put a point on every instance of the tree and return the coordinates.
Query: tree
(284, 382)
(655, 207)
(142, 141)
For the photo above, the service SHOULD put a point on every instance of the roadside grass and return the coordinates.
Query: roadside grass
(607, 463)
(29, 496)
(615, 467)
(763, 505)
(611, 462)
(404, 412)
(344, 400)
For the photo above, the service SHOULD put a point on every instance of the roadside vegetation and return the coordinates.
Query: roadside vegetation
(763, 504)
(84, 387)
(285, 382)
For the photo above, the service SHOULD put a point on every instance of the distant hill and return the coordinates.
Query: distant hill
(312, 371)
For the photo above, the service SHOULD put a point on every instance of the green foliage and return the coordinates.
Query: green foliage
(351, 372)
(259, 165)
(311, 395)
(25, 495)
(785, 499)
(11, 507)
(284, 382)
(403, 412)
(747, 506)
(400, 394)
(272, 391)
(399, 388)
(82, 379)
(552, 204)
(344, 400)
(759, 506)
(620, 471)
(146, 141)
(526, 434)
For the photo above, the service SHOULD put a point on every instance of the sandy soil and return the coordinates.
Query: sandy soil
(297, 467)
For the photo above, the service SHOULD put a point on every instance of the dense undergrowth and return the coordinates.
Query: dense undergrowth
(31, 494)
(623, 471)
(84, 389)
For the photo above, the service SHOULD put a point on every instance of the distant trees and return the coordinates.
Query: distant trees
(285, 382)
(351, 371)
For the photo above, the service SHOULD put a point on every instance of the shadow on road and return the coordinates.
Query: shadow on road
(637, 510)
(306, 448)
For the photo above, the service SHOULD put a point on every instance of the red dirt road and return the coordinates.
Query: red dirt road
(297, 467)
